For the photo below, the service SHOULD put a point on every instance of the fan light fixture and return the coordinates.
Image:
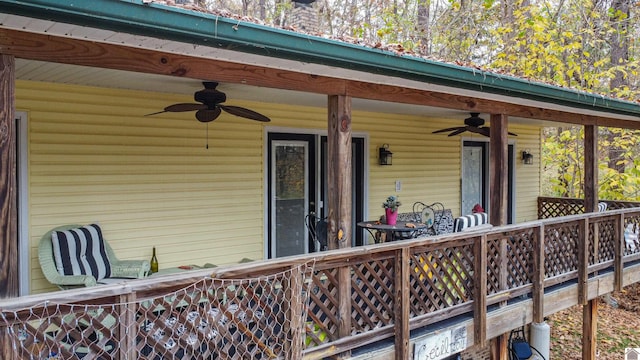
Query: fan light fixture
(385, 156)
(209, 106)
(527, 157)
(473, 124)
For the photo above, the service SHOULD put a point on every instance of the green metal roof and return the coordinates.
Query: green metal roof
(157, 20)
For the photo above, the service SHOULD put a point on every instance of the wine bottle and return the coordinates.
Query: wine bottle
(154, 262)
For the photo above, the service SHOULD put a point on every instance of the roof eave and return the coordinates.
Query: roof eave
(172, 23)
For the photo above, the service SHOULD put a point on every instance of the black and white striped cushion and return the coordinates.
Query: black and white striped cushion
(602, 206)
(466, 221)
(81, 251)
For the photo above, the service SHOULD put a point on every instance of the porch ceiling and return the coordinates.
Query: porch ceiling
(118, 79)
(36, 67)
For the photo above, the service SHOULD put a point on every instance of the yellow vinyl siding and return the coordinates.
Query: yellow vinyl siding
(527, 177)
(150, 181)
(428, 165)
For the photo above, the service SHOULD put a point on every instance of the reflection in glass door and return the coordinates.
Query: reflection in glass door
(297, 186)
(475, 177)
(289, 194)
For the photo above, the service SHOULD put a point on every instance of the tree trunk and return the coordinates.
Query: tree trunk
(619, 39)
(619, 20)
(423, 26)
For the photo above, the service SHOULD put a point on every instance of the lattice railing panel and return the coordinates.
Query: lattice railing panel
(616, 204)
(556, 207)
(440, 278)
(509, 260)
(520, 258)
(561, 248)
(372, 295)
(605, 240)
(258, 318)
(323, 320)
(493, 266)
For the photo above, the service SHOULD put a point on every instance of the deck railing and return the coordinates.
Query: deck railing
(549, 207)
(355, 296)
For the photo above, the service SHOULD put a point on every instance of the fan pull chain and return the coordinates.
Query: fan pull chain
(207, 135)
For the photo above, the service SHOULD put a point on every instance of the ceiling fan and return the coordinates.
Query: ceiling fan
(474, 124)
(210, 106)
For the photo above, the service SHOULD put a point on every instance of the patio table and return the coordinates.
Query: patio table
(401, 230)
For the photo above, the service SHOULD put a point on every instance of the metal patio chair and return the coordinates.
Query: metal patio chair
(317, 227)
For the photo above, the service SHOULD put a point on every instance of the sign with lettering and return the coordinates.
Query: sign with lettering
(441, 345)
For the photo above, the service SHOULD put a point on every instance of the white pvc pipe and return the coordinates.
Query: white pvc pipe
(540, 338)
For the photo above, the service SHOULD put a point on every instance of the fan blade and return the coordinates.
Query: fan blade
(486, 132)
(180, 107)
(207, 115)
(459, 131)
(245, 113)
(185, 107)
(447, 129)
(479, 130)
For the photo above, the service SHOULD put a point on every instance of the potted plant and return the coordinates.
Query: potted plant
(391, 209)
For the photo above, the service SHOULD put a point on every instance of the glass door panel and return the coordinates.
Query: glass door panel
(473, 176)
(289, 183)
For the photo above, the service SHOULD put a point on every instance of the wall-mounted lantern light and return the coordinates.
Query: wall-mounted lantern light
(527, 157)
(385, 156)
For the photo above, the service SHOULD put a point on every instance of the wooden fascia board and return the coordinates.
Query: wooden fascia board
(43, 47)
(358, 89)
(64, 50)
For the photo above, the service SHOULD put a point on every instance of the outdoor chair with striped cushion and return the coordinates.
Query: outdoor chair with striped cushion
(466, 222)
(75, 255)
(602, 206)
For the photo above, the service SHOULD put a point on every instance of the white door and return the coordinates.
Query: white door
(475, 178)
(290, 193)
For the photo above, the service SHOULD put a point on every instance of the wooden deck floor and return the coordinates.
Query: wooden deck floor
(343, 302)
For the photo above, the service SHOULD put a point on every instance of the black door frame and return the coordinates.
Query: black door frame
(484, 145)
(317, 176)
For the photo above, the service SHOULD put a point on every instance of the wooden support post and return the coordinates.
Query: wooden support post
(590, 309)
(596, 243)
(339, 202)
(499, 347)
(127, 326)
(618, 256)
(401, 299)
(480, 292)
(590, 168)
(344, 306)
(339, 172)
(589, 329)
(498, 172)
(503, 276)
(9, 284)
(293, 348)
(583, 261)
(7, 351)
(538, 276)
(498, 169)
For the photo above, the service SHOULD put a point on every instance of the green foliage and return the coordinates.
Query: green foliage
(618, 165)
(582, 44)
